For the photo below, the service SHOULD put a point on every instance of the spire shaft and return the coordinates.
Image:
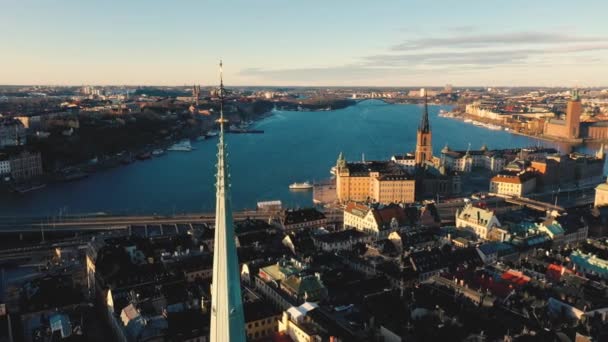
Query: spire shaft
(424, 122)
(227, 316)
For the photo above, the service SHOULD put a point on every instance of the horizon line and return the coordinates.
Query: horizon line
(301, 86)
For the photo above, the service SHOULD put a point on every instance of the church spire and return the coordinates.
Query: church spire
(424, 122)
(227, 317)
(424, 149)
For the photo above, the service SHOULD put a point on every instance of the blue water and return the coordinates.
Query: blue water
(296, 146)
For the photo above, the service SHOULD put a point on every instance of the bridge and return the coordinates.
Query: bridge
(99, 222)
(385, 100)
(533, 204)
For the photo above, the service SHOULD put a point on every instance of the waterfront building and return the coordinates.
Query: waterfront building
(513, 183)
(588, 170)
(569, 128)
(492, 111)
(466, 161)
(298, 219)
(554, 171)
(407, 161)
(25, 166)
(569, 171)
(227, 315)
(373, 181)
(480, 221)
(424, 148)
(12, 132)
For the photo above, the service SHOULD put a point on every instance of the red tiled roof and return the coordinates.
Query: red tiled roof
(385, 215)
(356, 209)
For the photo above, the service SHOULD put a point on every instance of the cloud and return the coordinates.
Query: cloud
(464, 41)
(477, 57)
(442, 57)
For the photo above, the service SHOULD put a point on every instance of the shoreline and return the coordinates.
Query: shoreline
(464, 116)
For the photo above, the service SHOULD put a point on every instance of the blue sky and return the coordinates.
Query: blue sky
(297, 42)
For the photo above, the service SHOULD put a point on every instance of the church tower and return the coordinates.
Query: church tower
(424, 148)
(227, 316)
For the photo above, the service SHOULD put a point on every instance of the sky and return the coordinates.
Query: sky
(305, 42)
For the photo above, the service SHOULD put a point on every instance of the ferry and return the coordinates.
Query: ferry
(182, 146)
(300, 186)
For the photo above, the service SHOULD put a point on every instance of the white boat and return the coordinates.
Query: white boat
(468, 120)
(300, 186)
(494, 127)
(158, 152)
(212, 134)
(182, 146)
(333, 170)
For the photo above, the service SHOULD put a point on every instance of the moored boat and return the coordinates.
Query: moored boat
(182, 146)
(300, 186)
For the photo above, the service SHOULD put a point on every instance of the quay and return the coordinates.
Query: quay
(110, 222)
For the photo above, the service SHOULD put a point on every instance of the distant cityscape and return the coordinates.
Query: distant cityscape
(476, 244)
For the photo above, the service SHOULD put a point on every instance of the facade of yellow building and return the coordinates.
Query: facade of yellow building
(375, 181)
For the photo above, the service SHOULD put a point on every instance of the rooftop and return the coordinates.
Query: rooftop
(381, 167)
(295, 216)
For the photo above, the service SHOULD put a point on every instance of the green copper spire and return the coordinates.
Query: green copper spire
(227, 316)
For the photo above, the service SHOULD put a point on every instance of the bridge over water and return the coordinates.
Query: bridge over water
(97, 222)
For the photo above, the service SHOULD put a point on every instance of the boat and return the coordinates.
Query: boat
(468, 120)
(333, 170)
(158, 152)
(493, 127)
(182, 146)
(300, 186)
(22, 189)
(72, 176)
(201, 137)
(144, 156)
(211, 134)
